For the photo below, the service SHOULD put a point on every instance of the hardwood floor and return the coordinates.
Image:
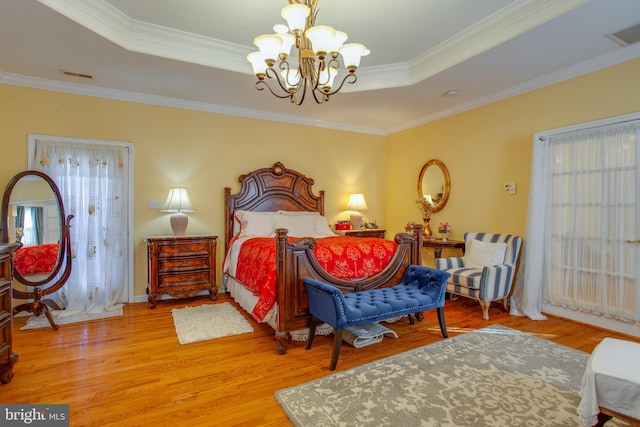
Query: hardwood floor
(131, 370)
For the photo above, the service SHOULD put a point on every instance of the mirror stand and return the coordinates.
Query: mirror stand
(33, 194)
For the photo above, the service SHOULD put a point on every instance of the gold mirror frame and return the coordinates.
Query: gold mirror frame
(439, 203)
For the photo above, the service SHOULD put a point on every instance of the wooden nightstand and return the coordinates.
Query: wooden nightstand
(181, 266)
(365, 232)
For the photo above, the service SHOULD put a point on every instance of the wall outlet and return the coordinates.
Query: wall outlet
(155, 204)
(510, 187)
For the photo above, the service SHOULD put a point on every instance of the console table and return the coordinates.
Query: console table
(438, 245)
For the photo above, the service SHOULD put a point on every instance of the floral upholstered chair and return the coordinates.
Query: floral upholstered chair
(487, 270)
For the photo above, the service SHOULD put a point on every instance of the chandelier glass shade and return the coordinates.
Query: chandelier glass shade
(320, 51)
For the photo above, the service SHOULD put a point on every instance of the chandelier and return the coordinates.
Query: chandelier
(319, 50)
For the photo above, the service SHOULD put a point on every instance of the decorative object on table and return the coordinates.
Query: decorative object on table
(178, 202)
(317, 63)
(343, 225)
(208, 321)
(356, 204)
(444, 229)
(409, 227)
(543, 379)
(425, 208)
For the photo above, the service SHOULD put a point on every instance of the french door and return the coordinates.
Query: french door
(591, 223)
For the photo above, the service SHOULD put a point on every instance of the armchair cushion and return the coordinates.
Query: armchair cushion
(468, 277)
(484, 254)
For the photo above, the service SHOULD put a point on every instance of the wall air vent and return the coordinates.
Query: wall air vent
(74, 74)
(627, 36)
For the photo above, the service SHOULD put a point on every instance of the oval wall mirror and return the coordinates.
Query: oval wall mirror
(434, 184)
(33, 215)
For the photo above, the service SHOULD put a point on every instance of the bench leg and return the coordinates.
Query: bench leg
(337, 344)
(312, 331)
(410, 316)
(443, 325)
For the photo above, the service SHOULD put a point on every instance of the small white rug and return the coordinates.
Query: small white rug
(208, 321)
(63, 317)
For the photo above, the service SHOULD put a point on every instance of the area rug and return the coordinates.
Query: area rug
(64, 317)
(494, 376)
(205, 322)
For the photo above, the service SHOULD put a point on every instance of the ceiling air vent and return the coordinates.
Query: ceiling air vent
(629, 35)
(74, 74)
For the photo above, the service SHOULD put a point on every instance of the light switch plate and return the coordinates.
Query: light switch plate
(155, 204)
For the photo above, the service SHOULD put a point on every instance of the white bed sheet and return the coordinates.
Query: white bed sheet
(611, 380)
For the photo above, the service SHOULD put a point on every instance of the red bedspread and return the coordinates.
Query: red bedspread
(36, 259)
(346, 258)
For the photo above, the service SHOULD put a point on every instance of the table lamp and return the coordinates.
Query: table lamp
(178, 202)
(356, 204)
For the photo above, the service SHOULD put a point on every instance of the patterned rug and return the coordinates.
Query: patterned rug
(208, 321)
(494, 376)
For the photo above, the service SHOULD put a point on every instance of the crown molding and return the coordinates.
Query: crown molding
(120, 95)
(505, 24)
(618, 56)
(604, 61)
(138, 36)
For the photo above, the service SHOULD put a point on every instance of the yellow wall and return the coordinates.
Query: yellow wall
(489, 146)
(204, 152)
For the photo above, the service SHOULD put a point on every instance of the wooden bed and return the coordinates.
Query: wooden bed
(278, 188)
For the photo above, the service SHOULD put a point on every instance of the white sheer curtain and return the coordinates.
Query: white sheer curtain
(92, 179)
(583, 210)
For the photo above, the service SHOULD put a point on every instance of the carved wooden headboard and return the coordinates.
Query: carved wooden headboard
(269, 190)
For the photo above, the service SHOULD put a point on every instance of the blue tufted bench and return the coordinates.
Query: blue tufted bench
(421, 289)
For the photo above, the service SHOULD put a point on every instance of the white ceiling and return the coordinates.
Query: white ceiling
(191, 53)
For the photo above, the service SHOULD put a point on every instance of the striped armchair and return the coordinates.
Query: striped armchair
(487, 270)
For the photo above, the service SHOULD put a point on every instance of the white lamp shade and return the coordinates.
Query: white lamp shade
(296, 16)
(326, 78)
(287, 42)
(321, 37)
(351, 54)
(269, 45)
(257, 62)
(357, 203)
(337, 41)
(177, 201)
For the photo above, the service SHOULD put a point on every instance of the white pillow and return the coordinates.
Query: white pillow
(255, 224)
(484, 254)
(304, 225)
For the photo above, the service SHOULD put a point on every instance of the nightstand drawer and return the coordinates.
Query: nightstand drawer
(182, 264)
(184, 249)
(189, 279)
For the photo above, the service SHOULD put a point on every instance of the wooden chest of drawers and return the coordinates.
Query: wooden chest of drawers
(7, 357)
(181, 266)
